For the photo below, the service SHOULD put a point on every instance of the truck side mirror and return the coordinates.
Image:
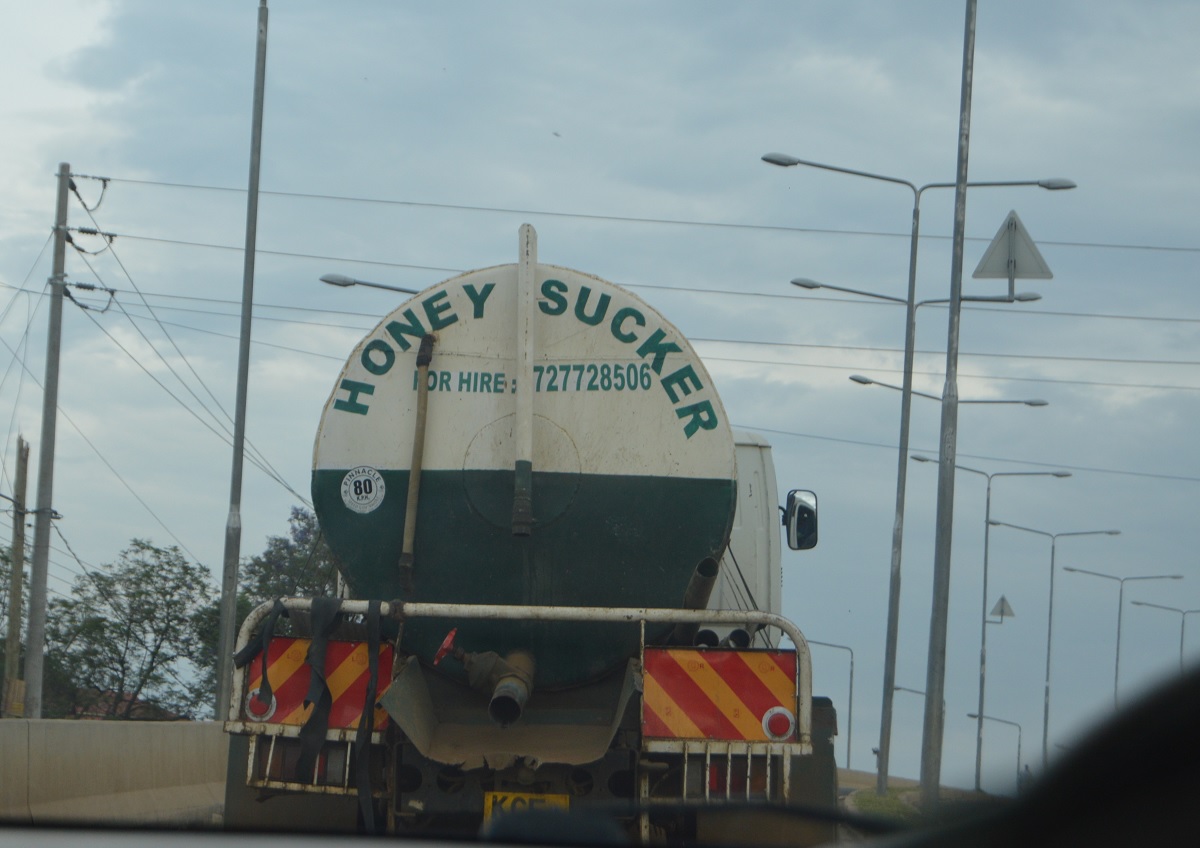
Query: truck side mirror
(800, 519)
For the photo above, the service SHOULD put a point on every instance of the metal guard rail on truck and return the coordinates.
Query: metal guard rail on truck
(401, 610)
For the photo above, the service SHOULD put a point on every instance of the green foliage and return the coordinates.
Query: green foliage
(138, 638)
(299, 564)
(124, 644)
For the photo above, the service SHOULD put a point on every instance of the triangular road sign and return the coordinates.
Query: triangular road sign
(1003, 609)
(1012, 244)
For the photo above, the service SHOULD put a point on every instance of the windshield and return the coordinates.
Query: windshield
(506, 317)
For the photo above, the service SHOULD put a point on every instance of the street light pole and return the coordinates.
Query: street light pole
(910, 330)
(980, 717)
(1053, 537)
(227, 622)
(850, 696)
(1183, 614)
(1121, 609)
(987, 525)
(934, 727)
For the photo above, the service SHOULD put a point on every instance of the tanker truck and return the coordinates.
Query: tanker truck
(562, 580)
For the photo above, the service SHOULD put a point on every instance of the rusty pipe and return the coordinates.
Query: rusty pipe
(695, 597)
(424, 357)
(512, 689)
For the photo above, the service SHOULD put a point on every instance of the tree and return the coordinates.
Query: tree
(299, 564)
(124, 644)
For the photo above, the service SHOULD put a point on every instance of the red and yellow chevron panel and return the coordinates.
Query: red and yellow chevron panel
(346, 673)
(692, 693)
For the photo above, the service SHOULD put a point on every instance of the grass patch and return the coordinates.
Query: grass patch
(887, 806)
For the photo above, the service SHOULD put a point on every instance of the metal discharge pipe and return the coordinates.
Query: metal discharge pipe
(512, 689)
(695, 597)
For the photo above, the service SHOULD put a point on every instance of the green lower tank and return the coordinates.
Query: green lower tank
(547, 384)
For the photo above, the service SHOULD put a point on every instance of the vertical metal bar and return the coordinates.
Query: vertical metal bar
(767, 783)
(35, 640)
(14, 698)
(644, 815)
(522, 515)
(684, 789)
(424, 357)
(233, 523)
(1046, 688)
(987, 527)
(728, 770)
(708, 770)
(1117, 666)
(893, 616)
(935, 719)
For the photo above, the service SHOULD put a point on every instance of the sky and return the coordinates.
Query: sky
(405, 142)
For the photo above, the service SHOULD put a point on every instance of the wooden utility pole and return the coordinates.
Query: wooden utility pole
(14, 685)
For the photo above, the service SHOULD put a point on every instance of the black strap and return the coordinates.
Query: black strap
(366, 724)
(260, 645)
(312, 734)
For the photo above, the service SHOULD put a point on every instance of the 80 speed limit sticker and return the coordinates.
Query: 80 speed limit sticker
(363, 489)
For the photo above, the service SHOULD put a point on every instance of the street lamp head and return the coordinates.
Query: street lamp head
(785, 161)
(861, 380)
(344, 281)
(1060, 473)
(1036, 402)
(805, 283)
(1026, 297)
(916, 457)
(1053, 184)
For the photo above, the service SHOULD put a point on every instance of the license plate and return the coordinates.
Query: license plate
(499, 803)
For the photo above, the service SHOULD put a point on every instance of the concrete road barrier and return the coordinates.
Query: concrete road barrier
(58, 772)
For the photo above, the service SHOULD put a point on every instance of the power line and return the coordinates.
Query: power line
(100, 456)
(1039, 357)
(23, 343)
(224, 436)
(627, 218)
(256, 456)
(694, 339)
(264, 462)
(1058, 465)
(1048, 380)
(939, 374)
(649, 286)
(291, 254)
